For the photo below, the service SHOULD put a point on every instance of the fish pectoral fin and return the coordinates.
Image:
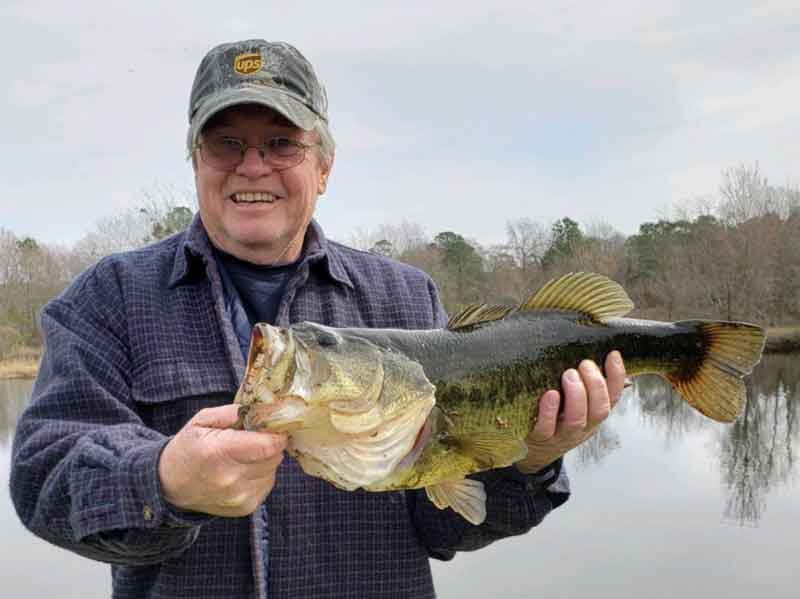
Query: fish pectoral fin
(491, 449)
(465, 496)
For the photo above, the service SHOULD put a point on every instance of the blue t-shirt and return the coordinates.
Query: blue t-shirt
(260, 287)
(252, 292)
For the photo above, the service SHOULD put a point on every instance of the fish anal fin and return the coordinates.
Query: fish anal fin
(465, 496)
(714, 386)
(491, 449)
(474, 314)
(594, 295)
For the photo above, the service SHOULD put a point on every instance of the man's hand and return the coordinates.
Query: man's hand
(210, 468)
(588, 399)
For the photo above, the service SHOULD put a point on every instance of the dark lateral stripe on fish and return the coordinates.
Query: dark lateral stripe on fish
(730, 351)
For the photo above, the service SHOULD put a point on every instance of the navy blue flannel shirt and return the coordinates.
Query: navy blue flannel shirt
(142, 341)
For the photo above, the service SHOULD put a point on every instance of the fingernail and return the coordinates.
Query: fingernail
(616, 357)
(572, 375)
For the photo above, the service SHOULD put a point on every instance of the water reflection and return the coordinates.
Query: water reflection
(755, 454)
(595, 450)
(13, 399)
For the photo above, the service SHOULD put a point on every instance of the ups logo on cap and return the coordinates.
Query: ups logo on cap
(245, 64)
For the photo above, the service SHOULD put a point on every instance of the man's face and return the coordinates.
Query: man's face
(254, 212)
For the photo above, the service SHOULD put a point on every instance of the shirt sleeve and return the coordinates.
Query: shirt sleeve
(84, 466)
(515, 502)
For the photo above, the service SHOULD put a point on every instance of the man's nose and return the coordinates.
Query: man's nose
(253, 165)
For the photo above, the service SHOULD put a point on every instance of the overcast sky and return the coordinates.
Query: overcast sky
(457, 115)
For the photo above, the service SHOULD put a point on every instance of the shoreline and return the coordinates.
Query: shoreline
(780, 340)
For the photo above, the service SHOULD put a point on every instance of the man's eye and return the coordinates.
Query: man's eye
(280, 144)
(229, 142)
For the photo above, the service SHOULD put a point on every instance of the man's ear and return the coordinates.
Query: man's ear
(324, 173)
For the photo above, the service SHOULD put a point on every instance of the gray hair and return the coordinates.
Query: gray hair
(327, 147)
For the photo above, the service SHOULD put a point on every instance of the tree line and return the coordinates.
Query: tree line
(734, 256)
(33, 272)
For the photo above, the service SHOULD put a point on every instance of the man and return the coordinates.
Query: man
(125, 454)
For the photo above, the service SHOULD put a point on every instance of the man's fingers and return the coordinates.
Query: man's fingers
(575, 398)
(245, 447)
(219, 417)
(547, 418)
(615, 375)
(598, 401)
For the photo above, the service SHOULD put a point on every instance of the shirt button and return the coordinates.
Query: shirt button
(147, 513)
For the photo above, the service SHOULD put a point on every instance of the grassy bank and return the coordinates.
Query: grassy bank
(22, 364)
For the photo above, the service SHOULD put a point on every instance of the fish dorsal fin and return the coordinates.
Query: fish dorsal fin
(466, 496)
(491, 449)
(477, 313)
(595, 295)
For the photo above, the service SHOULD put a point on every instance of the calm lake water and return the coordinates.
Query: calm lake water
(665, 504)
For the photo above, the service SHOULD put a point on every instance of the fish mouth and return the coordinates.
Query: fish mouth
(277, 385)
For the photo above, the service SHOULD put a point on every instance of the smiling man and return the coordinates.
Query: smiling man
(126, 454)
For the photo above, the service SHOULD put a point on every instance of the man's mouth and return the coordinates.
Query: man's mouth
(253, 197)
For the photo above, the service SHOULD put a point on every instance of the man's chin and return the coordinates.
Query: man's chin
(259, 246)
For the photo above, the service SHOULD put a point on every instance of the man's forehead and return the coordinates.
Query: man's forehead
(233, 115)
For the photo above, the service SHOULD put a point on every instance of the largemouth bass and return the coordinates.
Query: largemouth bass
(386, 409)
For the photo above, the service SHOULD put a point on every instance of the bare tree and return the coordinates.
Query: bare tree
(747, 194)
(164, 210)
(527, 243)
(402, 238)
(505, 283)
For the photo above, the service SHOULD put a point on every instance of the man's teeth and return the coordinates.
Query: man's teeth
(252, 197)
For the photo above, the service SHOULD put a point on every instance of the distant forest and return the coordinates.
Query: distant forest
(734, 255)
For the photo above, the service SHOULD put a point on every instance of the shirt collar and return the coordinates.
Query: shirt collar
(317, 250)
(194, 251)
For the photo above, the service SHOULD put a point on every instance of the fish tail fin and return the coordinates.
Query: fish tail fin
(728, 352)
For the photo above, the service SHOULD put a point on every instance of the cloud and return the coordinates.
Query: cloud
(544, 109)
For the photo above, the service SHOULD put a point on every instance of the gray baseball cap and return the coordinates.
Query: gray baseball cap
(273, 74)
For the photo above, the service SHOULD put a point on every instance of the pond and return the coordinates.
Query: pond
(665, 504)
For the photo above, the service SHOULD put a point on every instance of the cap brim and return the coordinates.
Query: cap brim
(278, 100)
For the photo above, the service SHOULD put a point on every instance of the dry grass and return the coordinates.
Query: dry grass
(18, 369)
(22, 364)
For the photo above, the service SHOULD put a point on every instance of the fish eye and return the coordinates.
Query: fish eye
(326, 339)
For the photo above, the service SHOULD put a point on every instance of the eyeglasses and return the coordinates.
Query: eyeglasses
(226, 153)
